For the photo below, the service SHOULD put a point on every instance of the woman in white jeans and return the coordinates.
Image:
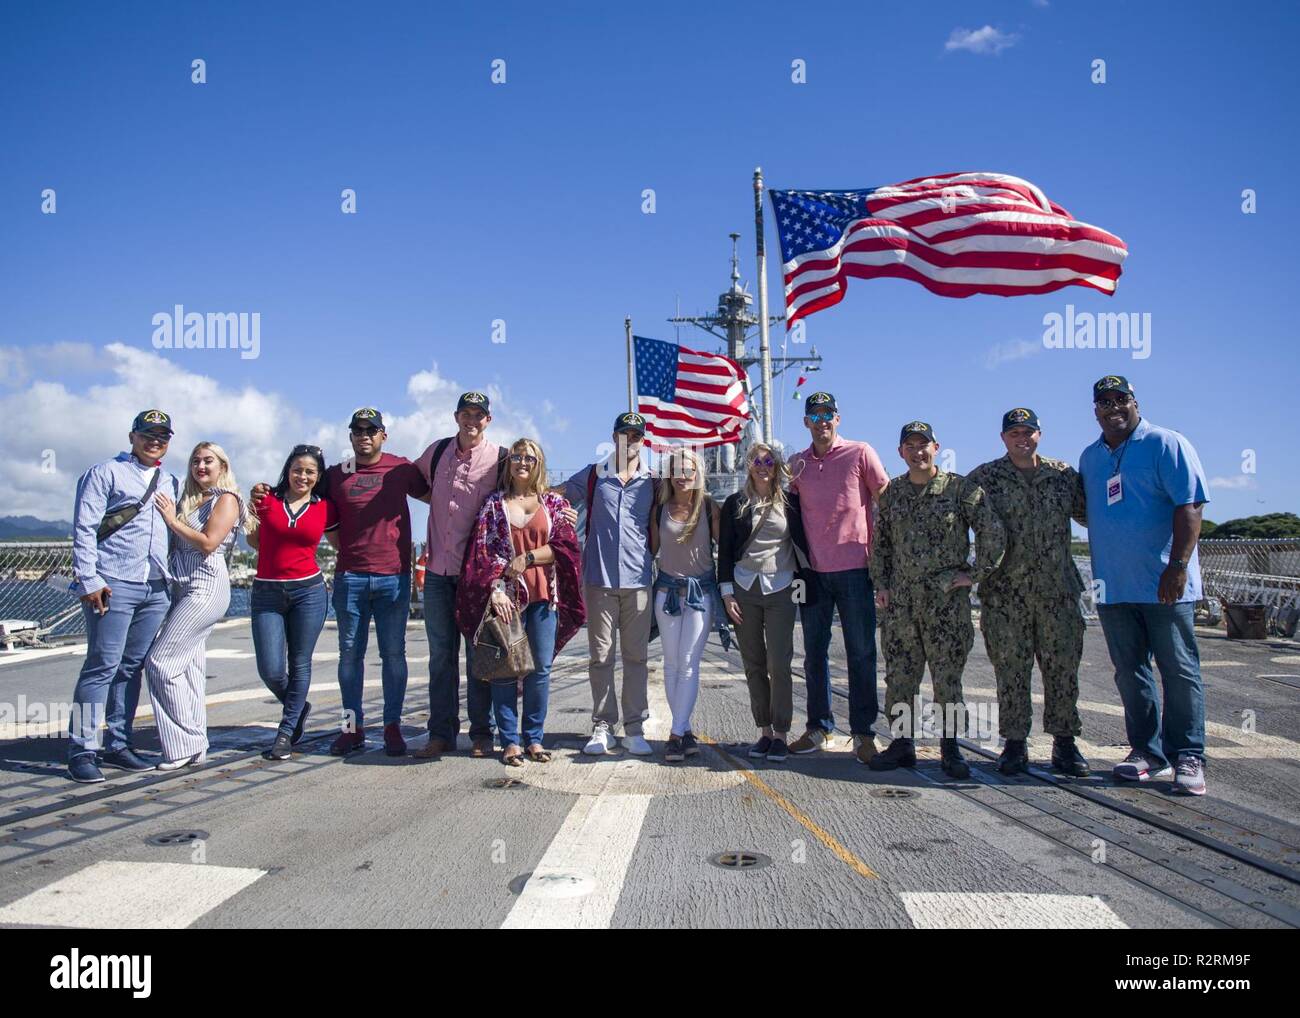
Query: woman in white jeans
(683, 528)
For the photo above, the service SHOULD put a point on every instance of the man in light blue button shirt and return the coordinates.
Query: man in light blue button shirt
(1144, 488)
(616, 568)
(123, 582)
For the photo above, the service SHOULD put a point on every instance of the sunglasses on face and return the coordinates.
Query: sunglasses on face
(524, 458)
(822, 418)
(364, 432)
(1118, 403)
(306, 450)
(764, 461)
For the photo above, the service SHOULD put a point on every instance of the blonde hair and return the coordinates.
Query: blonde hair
(780, 477)
(536, 480)
(698, 494)
(192, 494)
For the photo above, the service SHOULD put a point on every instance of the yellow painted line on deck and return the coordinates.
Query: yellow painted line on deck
(814, 828)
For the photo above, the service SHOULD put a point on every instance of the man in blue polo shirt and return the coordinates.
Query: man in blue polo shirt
(1144, 488)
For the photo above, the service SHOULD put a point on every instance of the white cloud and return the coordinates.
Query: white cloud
(77, 425)
(981, 40)
(1011, 350)
(1236, 481)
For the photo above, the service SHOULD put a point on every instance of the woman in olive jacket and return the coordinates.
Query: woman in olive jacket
(762, 551)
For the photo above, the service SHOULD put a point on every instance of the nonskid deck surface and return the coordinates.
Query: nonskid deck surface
(621, 841)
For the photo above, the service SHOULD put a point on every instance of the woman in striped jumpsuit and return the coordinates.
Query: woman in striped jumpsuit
(204, 526)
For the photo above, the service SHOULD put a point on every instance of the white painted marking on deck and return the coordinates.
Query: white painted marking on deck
(597, 840)
(131, 895)
(979, 910)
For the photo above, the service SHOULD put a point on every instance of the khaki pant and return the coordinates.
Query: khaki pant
(627, 612)
(766, 638)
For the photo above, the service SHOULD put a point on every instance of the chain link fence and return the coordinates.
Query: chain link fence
(35, 600)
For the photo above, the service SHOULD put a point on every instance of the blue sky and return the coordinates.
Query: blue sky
(522, 202)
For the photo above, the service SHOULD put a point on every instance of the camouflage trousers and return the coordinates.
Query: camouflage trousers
(1019, 629)
(920, 629)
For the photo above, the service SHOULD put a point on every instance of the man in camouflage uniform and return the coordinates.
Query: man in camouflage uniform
(921, 571)
(1029, 605)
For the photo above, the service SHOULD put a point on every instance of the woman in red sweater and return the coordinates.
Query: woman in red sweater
(289, 600)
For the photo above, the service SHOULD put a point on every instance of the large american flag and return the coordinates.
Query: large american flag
(956, 234)
(688, 397)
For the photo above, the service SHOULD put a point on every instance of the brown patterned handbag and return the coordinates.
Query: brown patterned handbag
(501, 649)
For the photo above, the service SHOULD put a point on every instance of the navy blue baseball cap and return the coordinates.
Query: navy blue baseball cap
(916, 428)
(818, 402)
(474, 401)
(1020, 417)
(1111, 383)
(629, 422)
(152, 420)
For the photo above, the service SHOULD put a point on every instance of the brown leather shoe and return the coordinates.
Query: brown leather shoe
(864, 748)
(482, 749)
(432, 749)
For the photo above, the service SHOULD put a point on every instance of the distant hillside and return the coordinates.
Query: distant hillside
(29, 528)
(1269, 526)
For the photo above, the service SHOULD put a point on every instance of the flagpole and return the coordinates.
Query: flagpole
(764, 350)
(631, 385)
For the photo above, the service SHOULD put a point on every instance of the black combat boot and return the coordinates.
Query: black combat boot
(950, 759)
(1066, 757)
(899, 753)
(1014, 758)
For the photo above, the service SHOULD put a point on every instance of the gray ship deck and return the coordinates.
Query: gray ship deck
(625, 842)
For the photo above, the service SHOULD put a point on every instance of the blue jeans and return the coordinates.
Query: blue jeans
(358, 597)
(851, 592)
(287, 619)
(108, 689)
(539, 623)
(444, 667)
(1135, 633)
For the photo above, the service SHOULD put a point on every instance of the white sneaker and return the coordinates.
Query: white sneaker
(600, 743)
(636, 745)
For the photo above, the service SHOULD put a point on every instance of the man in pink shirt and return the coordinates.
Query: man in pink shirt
(461, 472)
(837, 481)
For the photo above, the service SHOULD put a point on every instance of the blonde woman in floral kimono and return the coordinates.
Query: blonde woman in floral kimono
(523, 559)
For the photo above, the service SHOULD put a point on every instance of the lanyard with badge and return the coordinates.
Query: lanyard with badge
(1115, 483)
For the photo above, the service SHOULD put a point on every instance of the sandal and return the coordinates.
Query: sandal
(538, 755)
(515, 759)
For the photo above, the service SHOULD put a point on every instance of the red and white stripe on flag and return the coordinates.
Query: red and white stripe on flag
(957, 234)
(708, 406)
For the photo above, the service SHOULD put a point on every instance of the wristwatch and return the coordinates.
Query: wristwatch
(1179, 563)
(528, 557)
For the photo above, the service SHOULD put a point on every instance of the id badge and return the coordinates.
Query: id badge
(1115, 489)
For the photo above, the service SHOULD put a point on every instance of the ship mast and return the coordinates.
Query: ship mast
(735, 323)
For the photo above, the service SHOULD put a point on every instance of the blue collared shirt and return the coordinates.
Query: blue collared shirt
(617, 552)
(1131, 540)
(133, 553)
